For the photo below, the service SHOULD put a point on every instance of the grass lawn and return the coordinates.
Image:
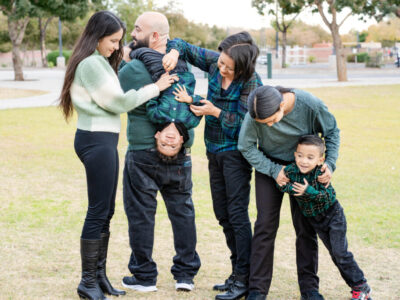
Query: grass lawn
(8, 93)
(43, 204)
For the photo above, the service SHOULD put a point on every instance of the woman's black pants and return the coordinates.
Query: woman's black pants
(98, 153)
(269, 201)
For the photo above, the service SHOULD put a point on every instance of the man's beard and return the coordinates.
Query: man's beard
(136, 44)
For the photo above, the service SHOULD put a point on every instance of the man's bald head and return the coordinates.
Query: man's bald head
(155, 21)
(151, 30)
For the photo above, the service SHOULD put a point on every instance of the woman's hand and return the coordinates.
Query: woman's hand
(126, 50)
(170, 60)
(281, 179)
(181, 94)
(326, 176)
(166, 80)
(207, 109)
(299, 188)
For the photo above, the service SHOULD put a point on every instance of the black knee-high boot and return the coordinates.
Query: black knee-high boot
(102, 279)
(88, 287)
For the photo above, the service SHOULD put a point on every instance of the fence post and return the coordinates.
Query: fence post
(269, 64)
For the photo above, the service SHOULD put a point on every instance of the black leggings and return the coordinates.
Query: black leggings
(98, 152)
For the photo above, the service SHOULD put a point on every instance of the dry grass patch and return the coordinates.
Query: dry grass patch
(8, 93)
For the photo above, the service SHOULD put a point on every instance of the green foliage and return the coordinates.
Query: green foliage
(311, 59)
(362, 37)
(361, 57)
(52, 56)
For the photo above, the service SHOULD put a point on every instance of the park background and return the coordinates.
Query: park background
(43, 187)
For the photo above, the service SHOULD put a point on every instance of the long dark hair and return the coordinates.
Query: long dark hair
(243, 51)
(101, 24)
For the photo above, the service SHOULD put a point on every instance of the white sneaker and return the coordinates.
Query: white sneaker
(184, 286)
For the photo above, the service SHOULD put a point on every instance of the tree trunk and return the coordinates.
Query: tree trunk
(16, 30)
(341, 67)
(42, 35)
(284, 41)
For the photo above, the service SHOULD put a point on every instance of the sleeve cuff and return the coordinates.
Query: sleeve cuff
(196, 99)
(152, 90)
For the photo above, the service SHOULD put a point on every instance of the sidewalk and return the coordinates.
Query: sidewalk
(306, 76)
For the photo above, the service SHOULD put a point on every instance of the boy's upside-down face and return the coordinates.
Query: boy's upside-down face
(169, 141)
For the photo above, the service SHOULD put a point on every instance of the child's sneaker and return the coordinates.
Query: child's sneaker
(361, 292)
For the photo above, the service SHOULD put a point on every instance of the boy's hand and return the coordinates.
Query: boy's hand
(325, 177)
(299, 188)
(181, 94)
(170, 60)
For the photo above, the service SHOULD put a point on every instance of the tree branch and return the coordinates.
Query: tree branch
(348, 15)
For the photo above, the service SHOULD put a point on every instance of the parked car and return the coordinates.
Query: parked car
(262, 60)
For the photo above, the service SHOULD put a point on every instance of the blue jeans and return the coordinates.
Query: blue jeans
(144, 175)
(331, 227)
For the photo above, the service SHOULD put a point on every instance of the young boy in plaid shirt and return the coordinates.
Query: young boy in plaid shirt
(325, 214)
(170, 111)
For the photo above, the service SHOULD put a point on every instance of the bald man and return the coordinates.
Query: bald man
(145, 173)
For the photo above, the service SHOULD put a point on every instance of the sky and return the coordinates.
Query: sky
(240, 13)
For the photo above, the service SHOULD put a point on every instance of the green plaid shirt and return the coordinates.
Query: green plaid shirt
(222, 133)
(316, 199)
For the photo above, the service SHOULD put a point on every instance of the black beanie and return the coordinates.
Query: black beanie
(263, 102)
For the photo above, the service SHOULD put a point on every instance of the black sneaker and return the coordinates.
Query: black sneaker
(311, 295)
(361, 292)
(184, 285)
(131, 282)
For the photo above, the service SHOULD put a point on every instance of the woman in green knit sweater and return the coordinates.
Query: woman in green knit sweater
(91, 86)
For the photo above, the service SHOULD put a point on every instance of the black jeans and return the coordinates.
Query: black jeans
(230, 176)
(269, 201)
(98, 152)
(144, 175)
(331, 228)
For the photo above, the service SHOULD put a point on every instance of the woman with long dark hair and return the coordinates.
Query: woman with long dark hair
(231, 78)
(91, 86)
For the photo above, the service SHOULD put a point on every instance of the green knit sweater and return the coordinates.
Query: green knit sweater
(98, 97)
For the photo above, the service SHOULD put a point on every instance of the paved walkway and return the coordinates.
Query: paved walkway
(315, 75)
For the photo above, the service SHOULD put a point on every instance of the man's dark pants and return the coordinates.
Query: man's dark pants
(269, 201)
(331, 227)
(230, 176)
(145, 174)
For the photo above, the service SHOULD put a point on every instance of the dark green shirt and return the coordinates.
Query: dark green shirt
(259, 142)
(317, 198)
(140, 130)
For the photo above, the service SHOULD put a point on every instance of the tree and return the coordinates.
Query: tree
(332, 8)
(17, 12)
(283, 8)
(379, 9)
(49, 9)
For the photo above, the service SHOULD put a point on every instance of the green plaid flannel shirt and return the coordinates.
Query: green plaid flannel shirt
(316, 199)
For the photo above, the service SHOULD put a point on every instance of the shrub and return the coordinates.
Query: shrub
(311, 59)
(361, 57)
(52, 56)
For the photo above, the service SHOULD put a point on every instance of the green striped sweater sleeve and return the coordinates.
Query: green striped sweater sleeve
(99, 80)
